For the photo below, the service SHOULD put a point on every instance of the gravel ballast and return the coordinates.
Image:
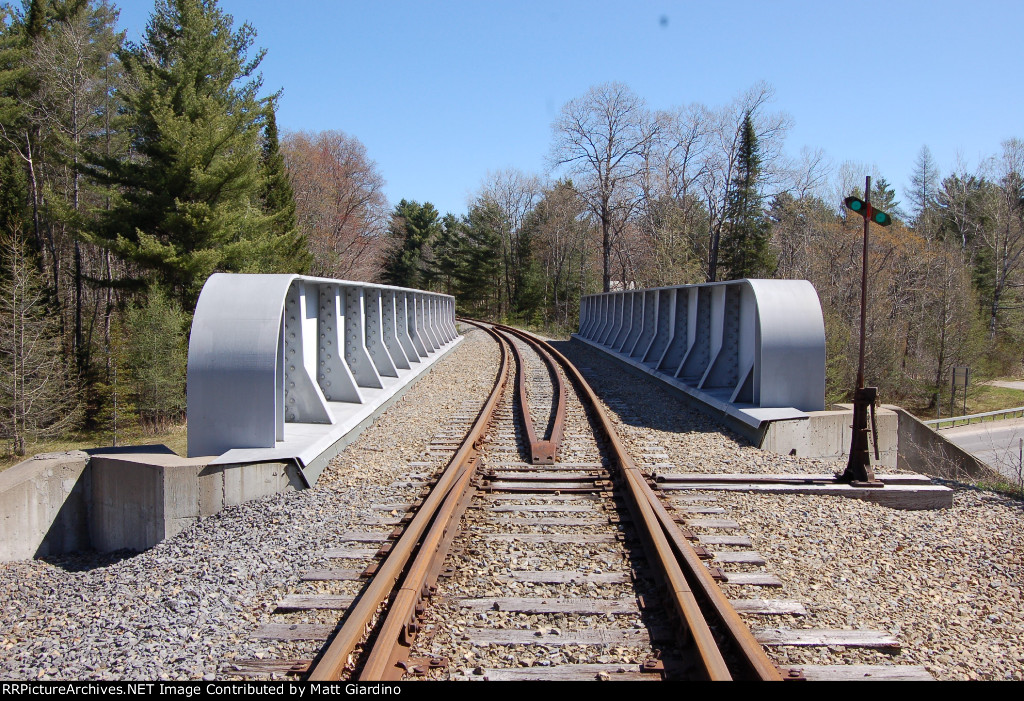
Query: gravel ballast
(948, 584)
(188, 606)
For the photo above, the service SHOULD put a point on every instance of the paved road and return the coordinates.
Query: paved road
(995, 442)
(1011, 384)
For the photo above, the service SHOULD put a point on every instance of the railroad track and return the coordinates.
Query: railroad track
(543, 539)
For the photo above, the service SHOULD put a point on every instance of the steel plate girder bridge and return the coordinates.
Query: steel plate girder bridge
(284, 367)
(752, 349)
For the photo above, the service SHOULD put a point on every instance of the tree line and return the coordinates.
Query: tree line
(129, 172)
(643, 198)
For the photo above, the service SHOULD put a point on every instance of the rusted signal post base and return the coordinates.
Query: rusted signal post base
(858, 469)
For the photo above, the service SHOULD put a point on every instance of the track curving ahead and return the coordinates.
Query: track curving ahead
(391, 604)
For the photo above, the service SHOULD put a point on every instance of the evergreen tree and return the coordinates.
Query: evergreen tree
(75, 72)
(13, 194)
(16, 87)
(558, 229)
(155, 355)
(744, 246)
(35, 18)
(883, 197)
(37, 393)
(478, 273)
(287, 251)
(413, 227)
(443, 269)
(187, 203)
(965, 213)
(528, 290)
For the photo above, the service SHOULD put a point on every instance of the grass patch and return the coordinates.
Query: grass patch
(175, 438)
(980, 399)
(1010, 488)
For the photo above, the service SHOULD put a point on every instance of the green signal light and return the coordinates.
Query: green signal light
(862, 208)
(857, 205)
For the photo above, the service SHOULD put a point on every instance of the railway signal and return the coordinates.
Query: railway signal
(858, 469)
(867, 211)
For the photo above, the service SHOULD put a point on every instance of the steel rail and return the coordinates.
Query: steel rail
(397, 632)
(673, 549)
(338, 653)
(542, 451)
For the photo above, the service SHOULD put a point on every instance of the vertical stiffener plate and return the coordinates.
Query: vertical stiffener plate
(761, 341)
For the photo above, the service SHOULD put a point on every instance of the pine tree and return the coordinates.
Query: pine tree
(155, 355)
(188, 202)
(16, 87)
(35, 18)
(441, 273)
(529, 283)
(287, 250)
(480, 258)
(74, 72)
(37, 393)
(744, 248)
(883, 197)
(413, 227)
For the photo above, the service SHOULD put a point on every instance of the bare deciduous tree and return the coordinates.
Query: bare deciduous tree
(561, 229)
(672, 222)
(602, 139)
(1005, 238)
(515, 193)
(340, 203)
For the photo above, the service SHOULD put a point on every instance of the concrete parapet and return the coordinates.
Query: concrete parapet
(122, 499)
(44, 507)
(140, 499)
(924, 450)
(134, 505)
(827, 435)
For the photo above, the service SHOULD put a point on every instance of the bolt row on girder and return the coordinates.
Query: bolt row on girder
(758, 343)
(266, 350)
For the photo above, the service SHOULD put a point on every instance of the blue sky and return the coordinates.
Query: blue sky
(441, 93)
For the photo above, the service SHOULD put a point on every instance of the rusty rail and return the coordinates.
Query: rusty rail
(429, 524)
(674, 554)
(419, 554)
(542, 451)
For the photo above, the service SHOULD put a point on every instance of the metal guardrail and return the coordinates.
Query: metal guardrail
(966, 419)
